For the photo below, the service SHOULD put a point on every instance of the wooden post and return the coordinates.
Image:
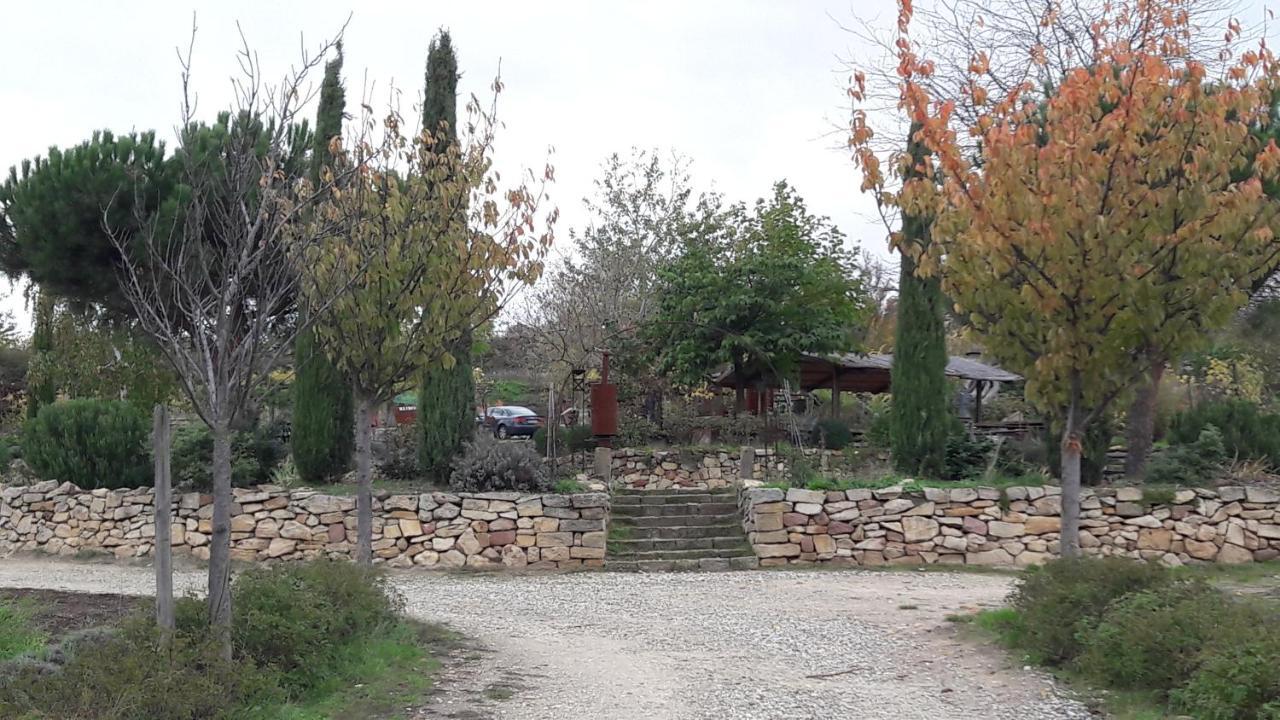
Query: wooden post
(977, 401)
(835, 392)
(163, 519)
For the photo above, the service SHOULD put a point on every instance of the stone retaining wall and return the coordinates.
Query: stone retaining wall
(643, 469)
(270, 523)
(1014, 526)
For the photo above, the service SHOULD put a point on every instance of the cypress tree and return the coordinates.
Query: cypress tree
(446, 403)
(42, 391)
(920, 415)
(323, 409)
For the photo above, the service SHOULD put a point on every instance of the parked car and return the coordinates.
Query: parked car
(512, 421)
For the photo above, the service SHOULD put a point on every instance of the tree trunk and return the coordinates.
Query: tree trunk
(220, 541)
(364, 480)
(1141, 423)
(1072, 444)
(739, 389)
(163, 521)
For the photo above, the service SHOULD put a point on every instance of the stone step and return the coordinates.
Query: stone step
(621, 499)
(643, 521)
(673, 510)
(743, 550)
(705, 564)
(681, 531)
(623, 547)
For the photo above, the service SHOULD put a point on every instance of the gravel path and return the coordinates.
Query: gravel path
(758, 645)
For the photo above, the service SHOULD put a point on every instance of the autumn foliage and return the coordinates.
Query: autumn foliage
(1080, 226)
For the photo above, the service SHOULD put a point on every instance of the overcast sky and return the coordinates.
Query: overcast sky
(751, 91)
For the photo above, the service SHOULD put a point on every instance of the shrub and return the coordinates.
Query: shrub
(254, 455)
(833, 434)
(1059, 600)
(636, 431)
(571, 439)
(967, 457)
(488, 465)
(398, 456)
(294, 619)
(879, 428)
(1239, 681)
(131, 676)
(92, 443)
(1247, 432)
(1188, 465)
(1152, 639)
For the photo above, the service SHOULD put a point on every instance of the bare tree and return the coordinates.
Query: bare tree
(212, 281)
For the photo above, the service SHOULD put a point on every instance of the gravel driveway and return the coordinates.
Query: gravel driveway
(759, 645)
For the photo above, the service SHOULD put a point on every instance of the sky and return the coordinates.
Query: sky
(750, 92)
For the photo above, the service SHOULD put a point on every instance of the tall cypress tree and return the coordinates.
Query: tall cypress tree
(920, 415)
(323, 409)
(446, 403)
(42, 391)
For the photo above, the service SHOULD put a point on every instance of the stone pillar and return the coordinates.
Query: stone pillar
(604, 465)
(746, 463)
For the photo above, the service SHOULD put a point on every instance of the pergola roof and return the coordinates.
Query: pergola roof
(851, 372)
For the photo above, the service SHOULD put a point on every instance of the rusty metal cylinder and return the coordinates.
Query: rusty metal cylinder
(604, 410)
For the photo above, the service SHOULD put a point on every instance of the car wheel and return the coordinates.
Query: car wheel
(501, 432)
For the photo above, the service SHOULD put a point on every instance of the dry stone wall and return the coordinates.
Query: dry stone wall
(511, 530)
(694, 469)
(1013, 526)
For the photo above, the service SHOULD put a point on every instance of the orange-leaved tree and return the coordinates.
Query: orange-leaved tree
(1099, 224)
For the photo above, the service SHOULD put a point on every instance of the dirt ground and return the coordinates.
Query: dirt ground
(58, 613)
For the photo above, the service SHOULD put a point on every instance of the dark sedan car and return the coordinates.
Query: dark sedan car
(511, 421)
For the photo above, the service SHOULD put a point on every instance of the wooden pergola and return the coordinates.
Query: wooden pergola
(851, 372)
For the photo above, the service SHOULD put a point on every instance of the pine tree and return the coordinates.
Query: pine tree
(446, 404)
(920, 414)
(323, 409)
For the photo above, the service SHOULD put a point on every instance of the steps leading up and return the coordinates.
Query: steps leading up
(653, 531)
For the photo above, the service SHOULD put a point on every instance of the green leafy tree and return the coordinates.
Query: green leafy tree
(429, 248)
(755, 290)
(446, 402)
(920, 416)
(323, 408)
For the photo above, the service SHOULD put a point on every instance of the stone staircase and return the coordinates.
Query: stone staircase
(657, 530)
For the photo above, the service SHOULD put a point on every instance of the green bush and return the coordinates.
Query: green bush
(1238, 681)
(966, 457)
(131, 675)
(832, 434)
(493, 465)
(254, 454)
(1247, 432)
(572, 439)
(637, 431)
(91, 443)
(1063, 598)
(401, 447)
(1152, 639)
(1189, 465)
(295, 619)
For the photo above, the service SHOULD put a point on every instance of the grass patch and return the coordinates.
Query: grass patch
(619, 533)
(568, 486)
(372, 679)
(17, 633)
(908, 607)
(999, 482)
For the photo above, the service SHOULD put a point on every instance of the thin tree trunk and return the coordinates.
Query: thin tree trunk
(163, 520)
(1141, 423)
(220, 541)
(739, 389)
(364, 480)
(1072, 444)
